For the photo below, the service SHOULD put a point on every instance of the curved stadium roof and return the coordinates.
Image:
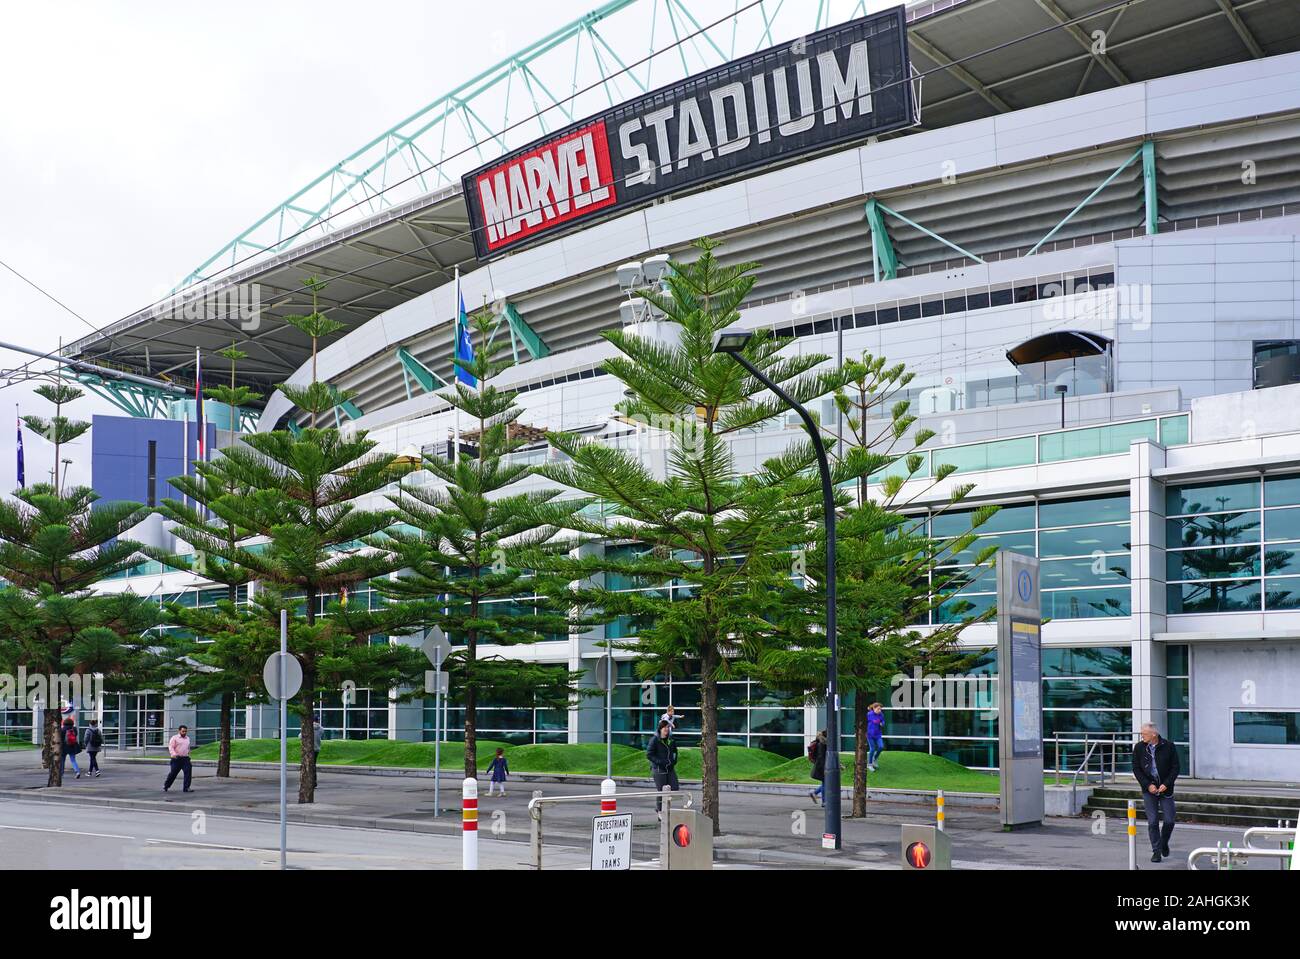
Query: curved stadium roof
(389, 223)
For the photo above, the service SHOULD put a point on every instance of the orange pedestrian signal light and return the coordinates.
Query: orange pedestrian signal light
(682, 835)
(919, 855)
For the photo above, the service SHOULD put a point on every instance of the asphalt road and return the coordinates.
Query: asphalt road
(781, 830)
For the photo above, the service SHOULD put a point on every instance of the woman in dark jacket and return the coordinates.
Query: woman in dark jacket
(819, 769)
(662, 753)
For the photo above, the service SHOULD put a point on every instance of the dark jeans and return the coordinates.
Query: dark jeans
(94, 760)
(1162, 805)
(665, 777)
(179, 764)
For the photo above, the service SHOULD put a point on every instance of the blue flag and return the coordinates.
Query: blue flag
(464, 344)
(22, 476)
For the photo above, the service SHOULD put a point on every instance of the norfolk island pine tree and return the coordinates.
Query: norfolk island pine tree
(726, 535)
(229, 665)
(470, 558)
(55, 546)
(890, 574)
(302, 503)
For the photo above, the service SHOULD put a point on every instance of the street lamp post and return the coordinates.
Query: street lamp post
(732, 341)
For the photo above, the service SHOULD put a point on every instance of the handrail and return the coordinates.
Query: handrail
(538, 801)
(1227, 857)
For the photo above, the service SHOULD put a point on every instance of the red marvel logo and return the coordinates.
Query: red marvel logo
(561, 180)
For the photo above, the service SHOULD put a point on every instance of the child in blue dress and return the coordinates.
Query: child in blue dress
(497, 770)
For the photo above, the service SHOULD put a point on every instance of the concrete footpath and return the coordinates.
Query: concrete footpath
(762, 828)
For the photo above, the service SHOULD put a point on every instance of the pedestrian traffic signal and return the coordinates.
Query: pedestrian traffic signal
(682, 835)
(919, 855)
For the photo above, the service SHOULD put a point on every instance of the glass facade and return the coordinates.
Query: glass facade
(1083, 545)
(1087, 690)
(1233, 545)
(748, 714)
(1178, 699)
(1275, 727)
(498, 720)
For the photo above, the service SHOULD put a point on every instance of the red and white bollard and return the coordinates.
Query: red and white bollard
(469, 826)
(608, 800)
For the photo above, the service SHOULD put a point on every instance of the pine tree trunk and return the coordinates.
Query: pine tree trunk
(471, 715)
(306, 710)
(223, 750)
(859, 756)
(307, 741)
(52, 725)
(709, 738)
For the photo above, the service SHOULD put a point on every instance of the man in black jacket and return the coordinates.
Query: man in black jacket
(1155, 767)
(662, 753)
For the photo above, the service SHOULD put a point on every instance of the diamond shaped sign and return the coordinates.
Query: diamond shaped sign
(435, 640)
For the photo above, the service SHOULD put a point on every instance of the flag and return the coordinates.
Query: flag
(464, 344)
(198, 400)
(22, 475)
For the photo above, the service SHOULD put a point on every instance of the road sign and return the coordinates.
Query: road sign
(611, 842)
(436, 682)
(282, 668)
(435, 643)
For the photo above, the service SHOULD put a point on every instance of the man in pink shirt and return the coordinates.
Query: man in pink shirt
(179, 748)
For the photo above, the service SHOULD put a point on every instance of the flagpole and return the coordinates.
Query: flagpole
(455, 375)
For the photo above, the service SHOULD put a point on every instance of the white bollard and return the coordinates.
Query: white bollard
(469, 825)
(1132, 835)
(938, 812)
(608, 798)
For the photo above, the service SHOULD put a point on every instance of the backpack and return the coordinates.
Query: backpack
(70, 737)
(812, 752)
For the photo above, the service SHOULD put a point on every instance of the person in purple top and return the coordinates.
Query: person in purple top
(875, 734)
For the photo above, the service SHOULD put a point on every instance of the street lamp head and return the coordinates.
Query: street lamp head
(1062, 389)
(731, 340)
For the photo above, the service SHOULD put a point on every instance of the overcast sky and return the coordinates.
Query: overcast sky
(137, 138)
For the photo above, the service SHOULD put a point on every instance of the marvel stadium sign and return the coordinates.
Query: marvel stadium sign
(844, 83)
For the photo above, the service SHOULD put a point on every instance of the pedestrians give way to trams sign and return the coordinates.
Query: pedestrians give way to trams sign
(282, 675)
(611, 842)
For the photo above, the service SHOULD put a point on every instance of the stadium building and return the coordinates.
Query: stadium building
(1075, 220)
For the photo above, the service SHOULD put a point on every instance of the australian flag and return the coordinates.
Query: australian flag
(464, 344)
(22, 474)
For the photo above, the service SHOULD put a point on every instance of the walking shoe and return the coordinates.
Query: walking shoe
(812, 795)
(78, 776)
(1164, 850)
(1155, 856)
(96, 773)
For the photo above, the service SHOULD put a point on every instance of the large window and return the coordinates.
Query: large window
(1087, 690)
(748, 714)
(1233, 545)
(1277, 727)
(1083, 545)
(1178, 699)
(500, 720)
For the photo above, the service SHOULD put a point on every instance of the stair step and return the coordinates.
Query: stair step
(1290, 802)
